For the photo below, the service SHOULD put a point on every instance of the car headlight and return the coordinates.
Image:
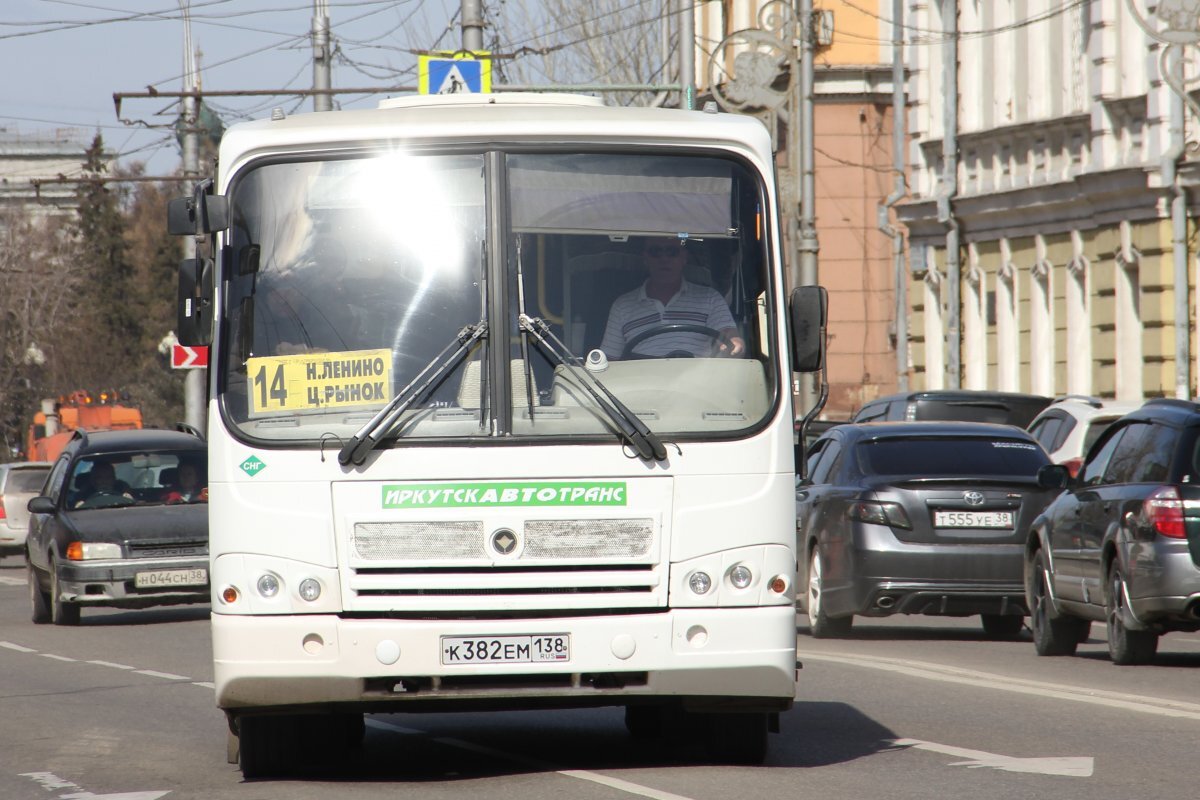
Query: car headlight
(85, 551)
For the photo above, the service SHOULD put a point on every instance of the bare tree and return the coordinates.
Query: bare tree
(602, 42)
(43, 276)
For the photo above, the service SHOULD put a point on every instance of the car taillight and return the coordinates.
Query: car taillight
(2, 514)
(891, 514)
(1073, 465)
(1163, 511)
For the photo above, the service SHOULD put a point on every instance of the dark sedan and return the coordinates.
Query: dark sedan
(918, 518)
(123, 522)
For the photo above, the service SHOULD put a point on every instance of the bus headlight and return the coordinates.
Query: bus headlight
(310, 589)
(268, 585)
(741, 576)
(699, 582)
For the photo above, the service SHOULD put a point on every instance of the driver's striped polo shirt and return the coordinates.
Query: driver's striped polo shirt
(634, 313)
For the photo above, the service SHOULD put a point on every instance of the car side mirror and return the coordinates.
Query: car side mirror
(41, 505)
(1053, 476)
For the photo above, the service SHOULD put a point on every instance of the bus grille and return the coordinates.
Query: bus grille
(455, 566)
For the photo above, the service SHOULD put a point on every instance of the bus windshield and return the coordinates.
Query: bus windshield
(346, 279)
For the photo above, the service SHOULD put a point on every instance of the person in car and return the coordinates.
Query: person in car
(102, 480)
(667, 299)
(190, 488)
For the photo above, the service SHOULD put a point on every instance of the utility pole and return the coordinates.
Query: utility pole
(808, 245)
(472, 25)
(322, 56)
(687, 55)
(195, 396)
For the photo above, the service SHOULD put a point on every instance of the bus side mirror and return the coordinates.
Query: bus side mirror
(807, 308)
(199, 214)
(195, 308)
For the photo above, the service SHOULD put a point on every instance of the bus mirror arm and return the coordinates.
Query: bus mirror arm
(368, 436)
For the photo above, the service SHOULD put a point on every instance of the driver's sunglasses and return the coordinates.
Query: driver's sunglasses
(654, 251)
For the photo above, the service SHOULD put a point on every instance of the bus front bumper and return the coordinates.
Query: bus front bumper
(728, 659)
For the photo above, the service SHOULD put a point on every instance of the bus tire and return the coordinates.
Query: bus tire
(739, 738)
(265, 746)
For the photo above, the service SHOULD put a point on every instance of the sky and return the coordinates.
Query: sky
(64, 59)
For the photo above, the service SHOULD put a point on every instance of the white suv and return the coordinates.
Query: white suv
(1068, 426)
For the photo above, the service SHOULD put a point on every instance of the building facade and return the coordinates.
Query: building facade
(41, 156)
(1050, 241)
(854, 167)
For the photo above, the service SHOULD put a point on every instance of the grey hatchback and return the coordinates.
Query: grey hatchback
(917, 518)
(123, 522)
(19, 482)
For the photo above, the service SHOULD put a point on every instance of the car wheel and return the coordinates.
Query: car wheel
(39, 601)
(1002, 626)
(61, 612)
(1125, 647)
(737, 738)
(1052, 636)
(821, 625)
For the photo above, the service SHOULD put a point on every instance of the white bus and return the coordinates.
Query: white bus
(465, 453)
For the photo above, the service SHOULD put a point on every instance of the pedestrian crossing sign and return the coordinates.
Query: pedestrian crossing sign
(454, 72)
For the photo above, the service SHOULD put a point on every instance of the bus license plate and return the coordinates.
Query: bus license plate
(553, 648)
(170, 577)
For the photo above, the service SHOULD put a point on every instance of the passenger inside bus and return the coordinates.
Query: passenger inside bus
(668, 315)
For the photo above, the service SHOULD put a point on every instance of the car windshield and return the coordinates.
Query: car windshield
(939, 456)
(348, 278)
(138, 479)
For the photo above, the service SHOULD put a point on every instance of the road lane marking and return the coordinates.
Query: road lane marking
(204, 684)
(51, 782)
(7, 581)
(110, 664)
(989, 680)
(1066, 766)
(165, 675)
(17, 647)
(578, 774)
(57, 658)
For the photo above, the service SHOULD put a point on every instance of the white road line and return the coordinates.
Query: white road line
(17, 647)
(110, 664)
(583, 775)
(167, 675)
(988, 680)
(7, 581)
(204, 684)
(57, 658)
(1066, 766)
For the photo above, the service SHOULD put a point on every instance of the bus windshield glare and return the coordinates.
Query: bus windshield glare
(348, 277)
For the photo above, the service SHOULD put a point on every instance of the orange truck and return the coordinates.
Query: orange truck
(58, 420)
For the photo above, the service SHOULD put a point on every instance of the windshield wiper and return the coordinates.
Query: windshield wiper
(369, 435)
(642, 439)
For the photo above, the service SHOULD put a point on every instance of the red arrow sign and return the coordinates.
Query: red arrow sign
(183, 357)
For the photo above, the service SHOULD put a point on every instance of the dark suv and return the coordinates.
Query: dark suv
(963, 405)
(1122, 543)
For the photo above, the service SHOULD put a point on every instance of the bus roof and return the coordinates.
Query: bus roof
(493, 119)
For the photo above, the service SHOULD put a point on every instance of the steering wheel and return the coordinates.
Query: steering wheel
(106, 500)
(675, 327)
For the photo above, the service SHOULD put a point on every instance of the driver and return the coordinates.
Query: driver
(667, 299)
(103, 477)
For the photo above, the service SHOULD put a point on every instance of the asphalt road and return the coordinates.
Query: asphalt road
(121, 707)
